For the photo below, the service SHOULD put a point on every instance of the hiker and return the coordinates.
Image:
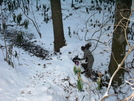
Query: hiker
(89, 59)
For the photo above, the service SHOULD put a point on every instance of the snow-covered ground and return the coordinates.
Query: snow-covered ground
(53, 79)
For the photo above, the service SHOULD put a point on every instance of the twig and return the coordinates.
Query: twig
(126, 29)
(32, 22)
(130, 97)
(114, 58)
(111, 79)
(129, 83)
(107, 96)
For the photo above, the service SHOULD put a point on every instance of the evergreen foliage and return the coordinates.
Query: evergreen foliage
(77, 71)
(14, 17)
(4, 26)
(1, 2)
(19, 38)
(79, 84)
(19, 18)
(25, 23)
(99, 83)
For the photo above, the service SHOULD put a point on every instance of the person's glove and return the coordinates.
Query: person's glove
(76, 58)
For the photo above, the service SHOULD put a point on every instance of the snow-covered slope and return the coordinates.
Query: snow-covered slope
(53, 79)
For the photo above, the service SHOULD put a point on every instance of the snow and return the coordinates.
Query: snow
(53, 79)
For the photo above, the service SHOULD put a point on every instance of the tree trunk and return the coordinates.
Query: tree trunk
(59, 40)
(119, 42)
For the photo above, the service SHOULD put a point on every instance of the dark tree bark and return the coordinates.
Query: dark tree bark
(119, 42)
(59, 40)
(1, 2)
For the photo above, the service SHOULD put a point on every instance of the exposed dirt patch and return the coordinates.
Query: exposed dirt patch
(24, 42)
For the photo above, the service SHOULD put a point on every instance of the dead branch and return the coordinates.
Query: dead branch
(35, 24)
(111, 79)
(129, 83)
(130, 97)
(107, 96)
(119, 65)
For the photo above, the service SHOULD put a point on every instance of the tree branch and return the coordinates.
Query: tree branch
(32, 22)
(111, 79)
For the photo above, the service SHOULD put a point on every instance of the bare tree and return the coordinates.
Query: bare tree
(119, 38)
(119, 67)
(123, 26)
(59, 40)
